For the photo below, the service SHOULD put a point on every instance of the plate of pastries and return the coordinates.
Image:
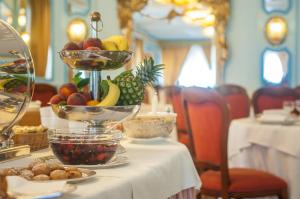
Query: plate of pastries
(41, 171)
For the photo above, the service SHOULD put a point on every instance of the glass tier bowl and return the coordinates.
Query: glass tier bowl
(74, 147)
(95, 60)
(96, 117)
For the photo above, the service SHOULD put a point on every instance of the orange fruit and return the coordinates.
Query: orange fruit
(92, 103)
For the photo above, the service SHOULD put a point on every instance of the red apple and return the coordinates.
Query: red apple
(56, 99)
(67, 89)
(92, 42)
(87, 95)
(92, 48)
(71, 46)
(76, 99)
(80, 45)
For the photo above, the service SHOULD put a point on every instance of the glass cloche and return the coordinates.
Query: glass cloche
(16, 82)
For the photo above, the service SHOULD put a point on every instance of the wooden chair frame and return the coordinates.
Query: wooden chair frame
(203, 96)
(272, 92)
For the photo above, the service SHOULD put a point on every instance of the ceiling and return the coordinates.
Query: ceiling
(176, 29)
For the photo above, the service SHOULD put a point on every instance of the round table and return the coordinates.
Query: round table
(270, 147)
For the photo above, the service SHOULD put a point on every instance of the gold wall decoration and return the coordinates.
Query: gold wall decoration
(276, 30)
(220, 10)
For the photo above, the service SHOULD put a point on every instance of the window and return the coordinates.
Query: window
(196, 70)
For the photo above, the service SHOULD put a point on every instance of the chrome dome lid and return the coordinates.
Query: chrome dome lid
(16, 78)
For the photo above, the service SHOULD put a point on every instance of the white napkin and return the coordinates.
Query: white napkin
(20, 186)
(275, 116)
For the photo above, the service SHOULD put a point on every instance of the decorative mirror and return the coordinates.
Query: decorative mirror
(276, 30)
(282, 6)
(78, 7)
(276, 66)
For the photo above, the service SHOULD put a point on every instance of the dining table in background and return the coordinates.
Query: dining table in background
(270, 147)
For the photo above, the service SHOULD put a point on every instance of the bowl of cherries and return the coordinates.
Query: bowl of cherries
(74, 147)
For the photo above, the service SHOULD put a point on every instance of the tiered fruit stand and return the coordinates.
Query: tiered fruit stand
(94, 62)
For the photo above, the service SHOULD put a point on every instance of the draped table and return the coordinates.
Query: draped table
(161, 169)
(270, 147)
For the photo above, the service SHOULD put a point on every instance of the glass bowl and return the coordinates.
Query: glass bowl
(76, 147)
(95, 60)
(150, 125)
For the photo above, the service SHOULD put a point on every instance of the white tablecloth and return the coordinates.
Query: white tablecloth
(272, 148)
(155, 171)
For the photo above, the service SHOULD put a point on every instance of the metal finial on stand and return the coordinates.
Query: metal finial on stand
(95, 76)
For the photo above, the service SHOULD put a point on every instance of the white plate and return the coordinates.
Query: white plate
(23, 188)
(274, 122)
(115, 162)
(156, 140)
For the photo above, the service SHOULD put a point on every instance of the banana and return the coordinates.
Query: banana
(4, 81)
(109, 45)
(119, 40)
(112, 96)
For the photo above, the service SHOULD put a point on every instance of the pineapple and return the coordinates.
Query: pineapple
(132, 86)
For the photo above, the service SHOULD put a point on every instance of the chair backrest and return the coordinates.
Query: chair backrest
(43, 92)
(297, 90)
(208, 121)
(237, 99)
(272, 98)
(174, 93)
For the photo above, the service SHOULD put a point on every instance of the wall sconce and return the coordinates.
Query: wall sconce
(77, 30)
(276, 30)
(22, 18)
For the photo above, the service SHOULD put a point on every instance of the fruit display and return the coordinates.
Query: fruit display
(126, 89)
(79, 148)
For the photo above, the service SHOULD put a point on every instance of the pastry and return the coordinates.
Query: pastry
(41, 177)
(59, 175)
(41, 168)
(12, 172)
(74, 174)
(71, 169)
(32, 164)
(27, 174)
(55, 166)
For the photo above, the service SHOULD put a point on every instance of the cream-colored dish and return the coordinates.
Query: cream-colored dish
(150, 125)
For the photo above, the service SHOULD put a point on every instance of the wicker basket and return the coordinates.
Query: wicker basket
(36, 140)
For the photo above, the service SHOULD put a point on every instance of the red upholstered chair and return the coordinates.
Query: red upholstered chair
(237, 99)
(272, 98)
(208, 121)
(174, 94)
(297, 90)
(43, 92)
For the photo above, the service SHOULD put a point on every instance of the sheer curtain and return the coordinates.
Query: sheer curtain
(196, 70)
(40, 34)
(173, 58)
